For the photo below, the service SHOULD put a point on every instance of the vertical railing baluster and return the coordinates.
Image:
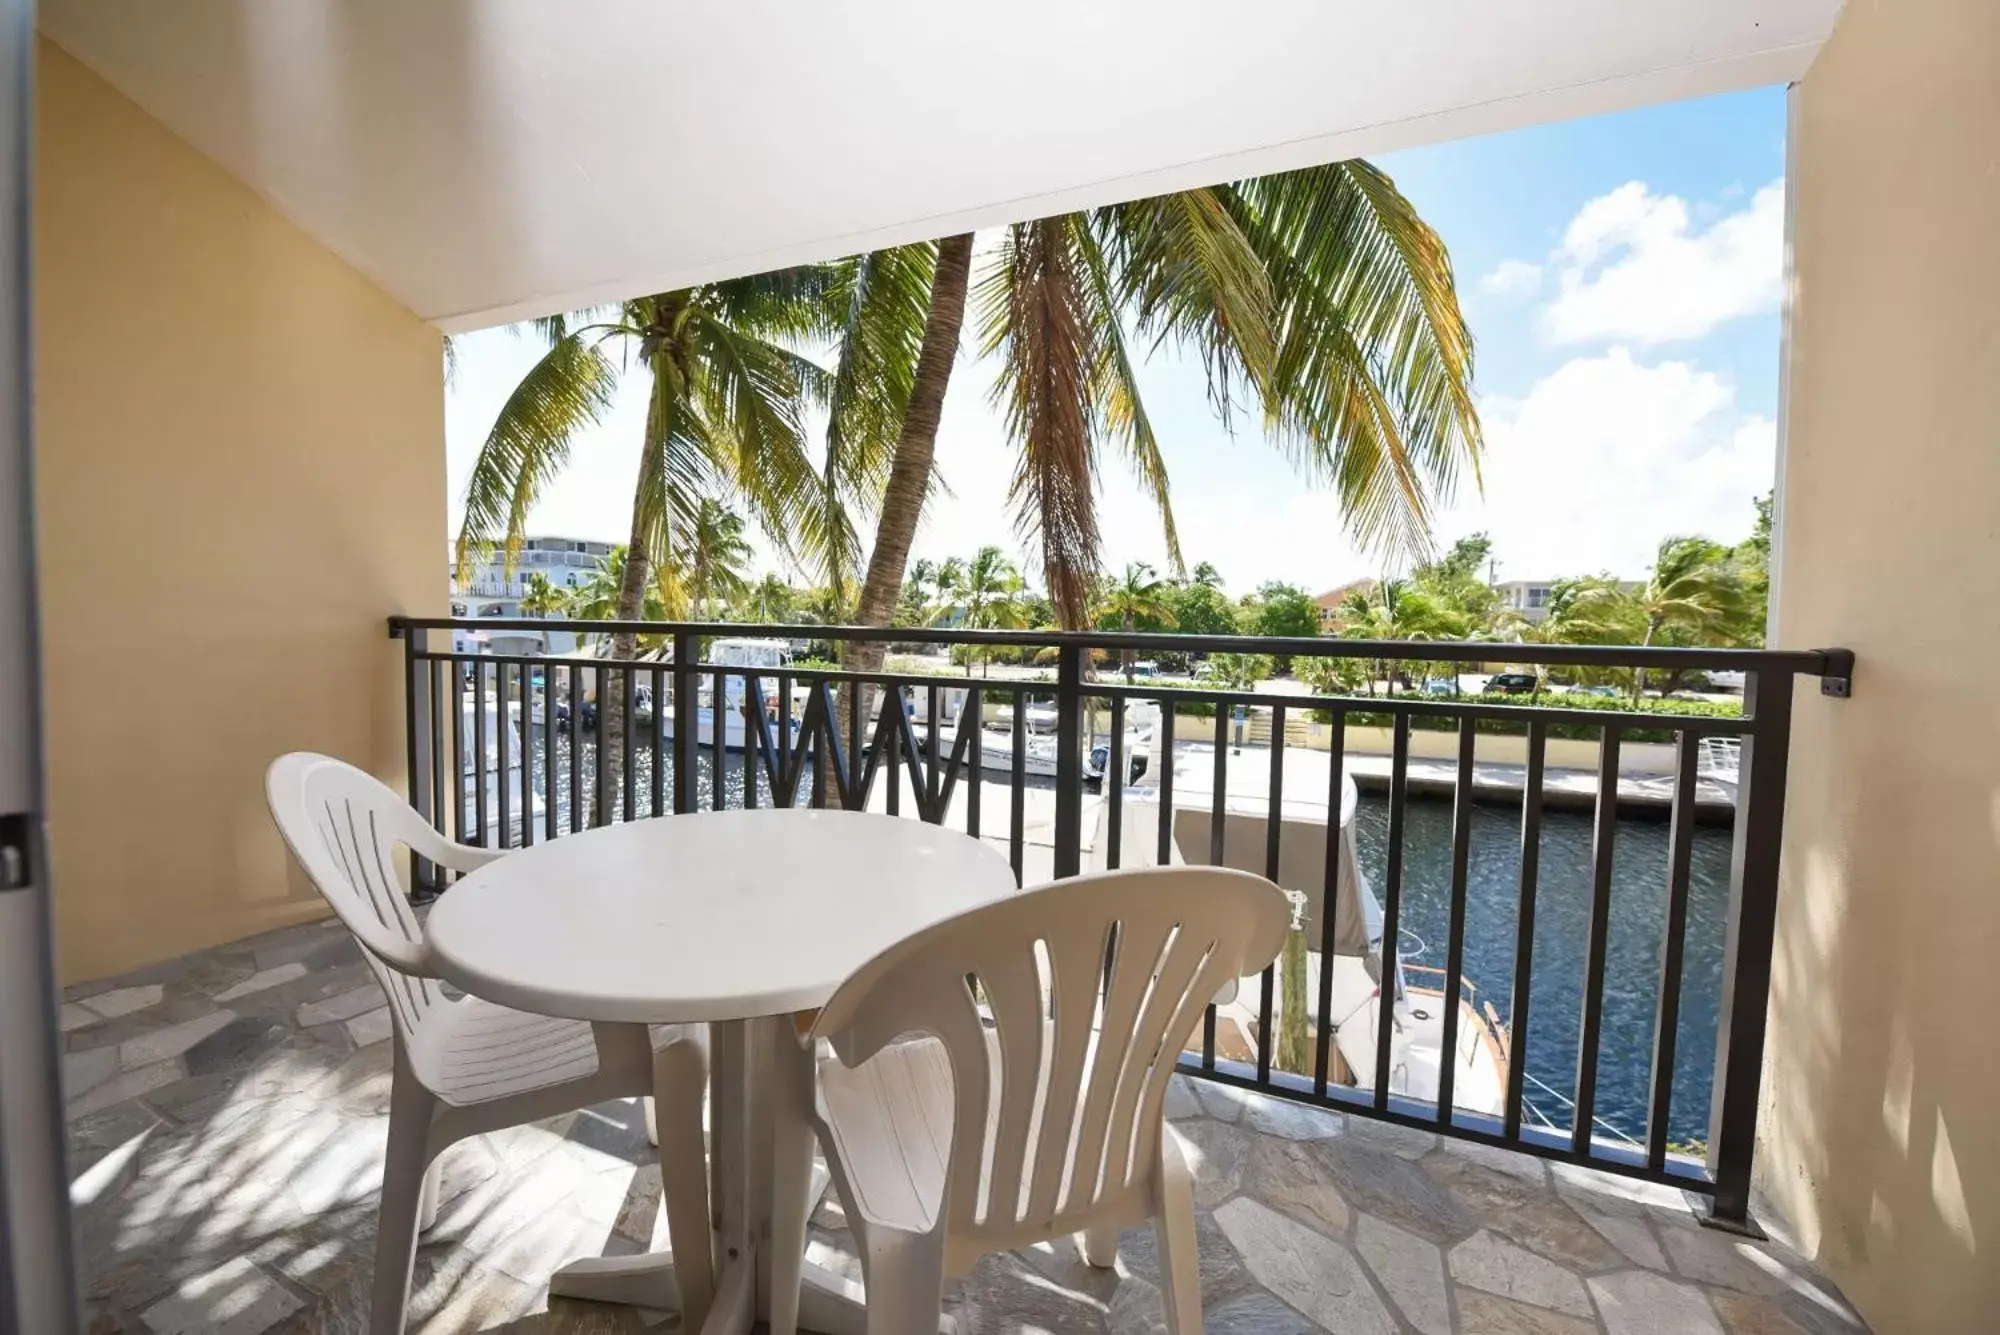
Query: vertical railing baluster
(439, 766)
(1218, 825)
(1274, 834)
(933, 725)
(479, 748)
(857, 723)
(1069, 760)
(1392, 911)
(687, 720)
(658, 734)
(1746, 958)
(1329, 901)
(1113, 788)
(753, 736)
(975, 758)
(503, 742)
(459, 741)
(1164, 854)
(628, 769)
(1524, 926)
(786, 757)
(549, 804)
(719, 716)
(577, 748)
(1018, 816)
(419, 718)
(892, 764)
(1461, 858)
(1603, 854)
(1673, 937)
(527, 756)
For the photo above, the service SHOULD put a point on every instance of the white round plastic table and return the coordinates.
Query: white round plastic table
(728, 918)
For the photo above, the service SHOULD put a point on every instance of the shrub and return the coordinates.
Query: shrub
(1652, 708)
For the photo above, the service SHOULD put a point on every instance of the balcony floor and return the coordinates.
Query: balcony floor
(227, 1115)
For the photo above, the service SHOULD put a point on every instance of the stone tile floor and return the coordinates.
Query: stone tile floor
(228, 1114)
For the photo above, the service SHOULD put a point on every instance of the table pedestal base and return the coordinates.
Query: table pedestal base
(828, 1304)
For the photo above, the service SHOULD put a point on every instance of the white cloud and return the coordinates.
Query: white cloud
(1632, 266)
(1606, 456)
(1513, 278)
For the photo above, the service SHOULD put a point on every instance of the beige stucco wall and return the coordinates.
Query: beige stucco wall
(240, 445)
(1881, 1136)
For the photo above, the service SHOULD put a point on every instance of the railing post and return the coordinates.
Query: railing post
(1746, 961)
(420, 724)
(687, 720)
(1069, 760)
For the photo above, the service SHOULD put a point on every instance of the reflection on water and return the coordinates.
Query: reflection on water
(1562, 920)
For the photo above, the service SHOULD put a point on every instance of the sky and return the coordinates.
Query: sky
(1622, 279)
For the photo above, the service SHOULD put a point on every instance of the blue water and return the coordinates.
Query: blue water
(1562, 911)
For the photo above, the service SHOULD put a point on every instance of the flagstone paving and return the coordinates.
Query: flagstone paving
(228, 1115)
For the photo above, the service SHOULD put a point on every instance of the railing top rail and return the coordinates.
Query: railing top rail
(1829, 663)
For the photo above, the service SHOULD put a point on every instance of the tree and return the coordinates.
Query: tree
(1283, 610)
(1695, 591)
(1206, 575)
(1239, 672)
(771, 600)
(713, 565)
(1318, 298)
(1753, 564)
(543, 598)
(726, 396)
(1457, 581)
(600, 596)
(1399, 610)
(984, 594)
(1138, 600)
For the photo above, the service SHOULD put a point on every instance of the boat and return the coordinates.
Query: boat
(1361, 962)
(736, 657)
(484, 775)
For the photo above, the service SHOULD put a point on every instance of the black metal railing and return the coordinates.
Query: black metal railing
(510, 749)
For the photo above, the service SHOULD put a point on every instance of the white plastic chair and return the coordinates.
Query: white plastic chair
(465, 1067)
(1048, 1122)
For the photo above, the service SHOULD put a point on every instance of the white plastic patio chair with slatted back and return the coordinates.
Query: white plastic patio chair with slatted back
(1047, 1122)
(464, 1067)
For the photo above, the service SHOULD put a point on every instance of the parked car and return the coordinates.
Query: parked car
(1512, 683)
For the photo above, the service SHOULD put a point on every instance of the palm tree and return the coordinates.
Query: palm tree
(725, 403)
(714, 562)
(771, 601)
(543, 598)
(1317, 298)
(985, 594)
(1400, 610)
(1139, 596)
(1206, 575)
(601, 595)
(1695, 589)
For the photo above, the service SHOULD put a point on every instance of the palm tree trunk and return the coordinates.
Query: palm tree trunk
(624, 645)
(1639, 673)
(916, 450)
(916, 446)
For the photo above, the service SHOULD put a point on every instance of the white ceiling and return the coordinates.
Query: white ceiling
(486, 160)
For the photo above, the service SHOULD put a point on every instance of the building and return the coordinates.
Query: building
(1527, 598)
(1330, 601)
(493, 590)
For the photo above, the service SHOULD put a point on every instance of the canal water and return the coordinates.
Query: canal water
(1638, 912)
(1562, 920)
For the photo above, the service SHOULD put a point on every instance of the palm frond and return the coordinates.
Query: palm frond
(1363, 292)
(1035, 316)
(571, 387)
